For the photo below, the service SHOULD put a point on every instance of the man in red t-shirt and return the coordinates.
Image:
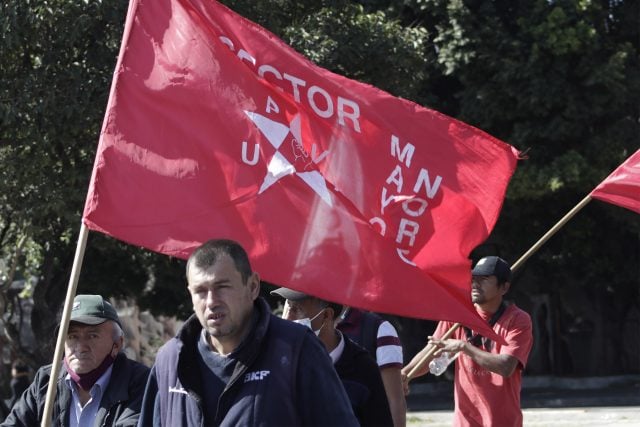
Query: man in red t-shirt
(488, 375)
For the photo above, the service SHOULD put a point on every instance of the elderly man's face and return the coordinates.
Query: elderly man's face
(87, 346)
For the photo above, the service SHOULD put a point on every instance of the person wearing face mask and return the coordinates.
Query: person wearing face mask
(98, 384)
(356, 368)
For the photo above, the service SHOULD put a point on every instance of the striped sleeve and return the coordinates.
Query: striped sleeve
(389, 348)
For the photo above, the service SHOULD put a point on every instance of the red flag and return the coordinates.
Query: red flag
(622, 187)
(215, 128)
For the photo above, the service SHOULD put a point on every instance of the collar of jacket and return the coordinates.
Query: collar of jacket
(189, 335)
(114, 393)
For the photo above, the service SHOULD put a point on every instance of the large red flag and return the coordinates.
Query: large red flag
(215, 128)
(622, 187)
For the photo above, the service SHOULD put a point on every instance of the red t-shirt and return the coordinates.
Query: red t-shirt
(483, 398)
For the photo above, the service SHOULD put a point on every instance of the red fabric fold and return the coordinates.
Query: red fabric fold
(622, 187)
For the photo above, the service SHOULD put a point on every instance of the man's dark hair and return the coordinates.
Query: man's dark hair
(337, 308)
(210, 252)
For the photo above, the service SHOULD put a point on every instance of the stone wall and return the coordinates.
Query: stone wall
(144, 333)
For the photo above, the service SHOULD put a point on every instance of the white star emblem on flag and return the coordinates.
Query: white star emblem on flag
(279, 166)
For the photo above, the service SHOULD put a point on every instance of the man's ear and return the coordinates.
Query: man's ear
(505, 287)
(118, 345)
(330, 314)
(254, 282)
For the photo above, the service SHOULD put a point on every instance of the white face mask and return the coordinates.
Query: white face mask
(307, 322)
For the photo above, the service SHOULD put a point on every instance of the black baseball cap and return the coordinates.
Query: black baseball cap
(493, 266)
(290, 294)
(93, 310)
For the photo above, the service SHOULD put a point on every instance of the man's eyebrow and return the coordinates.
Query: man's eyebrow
(207, 283)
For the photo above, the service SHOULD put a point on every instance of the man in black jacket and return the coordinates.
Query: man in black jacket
(19, 380)
(99, 385)
(233, 363)
(356, 368)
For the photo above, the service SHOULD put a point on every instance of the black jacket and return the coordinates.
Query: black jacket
(362, 381)
(282, 377)
(18, 386)
(120, 404)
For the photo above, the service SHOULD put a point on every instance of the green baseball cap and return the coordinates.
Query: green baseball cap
(93, 310)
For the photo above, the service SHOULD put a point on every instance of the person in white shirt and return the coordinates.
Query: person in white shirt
(355, 366)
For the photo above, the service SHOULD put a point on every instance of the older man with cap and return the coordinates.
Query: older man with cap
(99, 385)
(488, 375)
(356, 368)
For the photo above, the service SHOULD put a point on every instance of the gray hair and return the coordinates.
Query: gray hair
(117, 333)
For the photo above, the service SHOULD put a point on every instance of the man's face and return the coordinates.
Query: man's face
(87, 346)
(222, 301)
(306, 308)
(485, 289)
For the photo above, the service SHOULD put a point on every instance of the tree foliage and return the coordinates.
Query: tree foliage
(556, 79)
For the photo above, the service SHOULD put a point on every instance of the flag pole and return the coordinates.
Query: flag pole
(64, 324)
(432, 350)
(514, 267)
(551, 232)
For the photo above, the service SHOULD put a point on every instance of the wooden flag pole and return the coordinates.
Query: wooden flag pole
(550, 233)
(432, 350)
(64, 325)
(514, 267)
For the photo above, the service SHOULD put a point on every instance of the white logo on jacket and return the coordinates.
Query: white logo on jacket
(177, 390)
(256, 376)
